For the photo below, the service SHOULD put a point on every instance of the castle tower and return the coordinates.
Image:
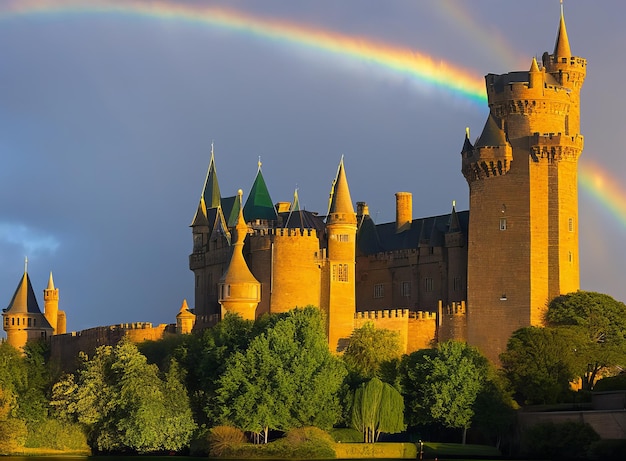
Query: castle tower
(51, 305)
(211, 249)
(341, 233)
(185, 319)
(239, 291)
(522, 176)
(22, 319)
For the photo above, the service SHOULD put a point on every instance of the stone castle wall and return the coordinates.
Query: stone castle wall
(64, 349)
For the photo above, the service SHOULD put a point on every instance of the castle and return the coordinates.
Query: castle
(475, 275)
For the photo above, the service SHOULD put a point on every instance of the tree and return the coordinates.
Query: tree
(443, 384)
(124, 403)
(598, 324)
(286, 378)
(204, 358)
(377, 407)
(540, 364)
(370, 348)
(495, 408)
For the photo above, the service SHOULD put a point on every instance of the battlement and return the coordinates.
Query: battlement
(285, 232)
(556, 146)
(454, 309)
(395, 313)
(487, 161)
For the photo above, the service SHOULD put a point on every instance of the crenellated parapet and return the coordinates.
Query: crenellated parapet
(487, 161)
(452, 322)
(556, 147)
(384, 313)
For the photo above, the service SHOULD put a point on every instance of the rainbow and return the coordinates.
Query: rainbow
(603, 188)
(422, 69)
(488, 38)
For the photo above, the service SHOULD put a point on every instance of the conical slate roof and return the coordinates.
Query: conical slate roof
(561, 47)
(492, 134)
(23, 300)
(259, 204)
(340, 194)
(211, 191)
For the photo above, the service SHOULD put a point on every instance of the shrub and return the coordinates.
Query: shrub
(223, 438)
(569, 440)
(347, 435)
(12, 435)
(302, 443)
(56, 435)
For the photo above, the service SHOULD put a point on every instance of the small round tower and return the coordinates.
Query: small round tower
(239, 291)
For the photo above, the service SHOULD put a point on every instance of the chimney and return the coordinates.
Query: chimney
(404, 211)
(362, 209)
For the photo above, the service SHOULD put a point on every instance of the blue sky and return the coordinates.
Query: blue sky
(106, 123)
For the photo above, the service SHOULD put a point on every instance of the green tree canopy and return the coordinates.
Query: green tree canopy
(286, 378)
(441, 385)
(377, 407)
(124, 403)
(204, 357)
(598, 323)
(370, 348)
(540, 364)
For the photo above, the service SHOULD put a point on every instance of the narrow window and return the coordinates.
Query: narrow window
(29, 321)
(406, 289)
(570, 257)
(379, 290)
(342, 273)
(570, 224)
(457, 285)
(428, 284)
(502, 224)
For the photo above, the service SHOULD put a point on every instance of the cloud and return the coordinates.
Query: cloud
(30, 240)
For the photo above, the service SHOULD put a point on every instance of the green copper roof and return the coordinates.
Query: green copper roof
(259, 204)
(211, 192)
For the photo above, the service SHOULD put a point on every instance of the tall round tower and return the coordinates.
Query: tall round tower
(341, 233)
(522, 176)
(51, 305)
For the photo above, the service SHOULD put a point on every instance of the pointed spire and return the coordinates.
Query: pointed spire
(184, 306)
(534, 67)
(211, 190)
(259, 204)
(340, 201)
(561, 47)
(493, 135)
(467, 145)
(295, 206)
(200, 218)
(24, 299)
(238, 271)
(50, 282)
(454, 219)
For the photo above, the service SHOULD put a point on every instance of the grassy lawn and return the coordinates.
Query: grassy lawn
(440, 450)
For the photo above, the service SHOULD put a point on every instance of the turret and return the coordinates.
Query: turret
(341, 233)
(51, 304)
(22, 319)
(239, 291)
(522, 176)
(185, 319)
